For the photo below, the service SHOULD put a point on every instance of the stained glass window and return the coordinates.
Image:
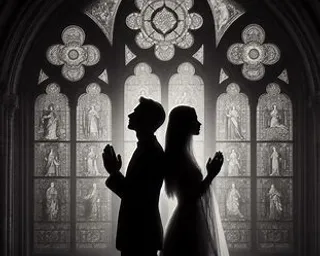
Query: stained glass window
(93, 200)
(233, 184)
(72, 206)
(54, 171)
(51, 177)
(274, 170)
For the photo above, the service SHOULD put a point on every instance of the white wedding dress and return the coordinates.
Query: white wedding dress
(195, 228)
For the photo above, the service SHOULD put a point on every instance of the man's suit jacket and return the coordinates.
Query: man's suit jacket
(139, 223)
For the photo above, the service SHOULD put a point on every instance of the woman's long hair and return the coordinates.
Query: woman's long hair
(178, 148)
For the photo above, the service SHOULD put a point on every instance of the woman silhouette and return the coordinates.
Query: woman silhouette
(195, 227)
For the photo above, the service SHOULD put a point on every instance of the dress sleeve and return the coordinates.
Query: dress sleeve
(205, 184)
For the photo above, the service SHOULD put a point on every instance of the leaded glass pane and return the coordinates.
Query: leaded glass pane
(142, 83)
(274, 115)
(234, 200)
(233, 196)
(233, 115)
(93, 201)
(51, 236)
(89, 160)
(186, 88)
(237, 159)
(274, 199)
(51, 200)
(94, 214)
(275, 236)
(94, 235)
(52, 159)
(274, 159)
(52, 115)
(238, 235)
(94, 115)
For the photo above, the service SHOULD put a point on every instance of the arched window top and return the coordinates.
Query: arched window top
(94, 115)
(274, 115)
(233, 115)
(52, 115)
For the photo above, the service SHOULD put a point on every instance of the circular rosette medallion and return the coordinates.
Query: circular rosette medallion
(164, 24)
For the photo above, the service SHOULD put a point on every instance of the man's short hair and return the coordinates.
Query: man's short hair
(155, 112)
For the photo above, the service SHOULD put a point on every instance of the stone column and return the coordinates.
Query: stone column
(317, 175)
(8, 106)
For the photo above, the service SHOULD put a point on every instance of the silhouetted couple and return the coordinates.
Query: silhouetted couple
(195, 228)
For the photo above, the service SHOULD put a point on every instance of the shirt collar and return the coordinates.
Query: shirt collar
(146, 141)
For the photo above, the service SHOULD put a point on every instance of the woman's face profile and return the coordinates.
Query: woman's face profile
(195, 124)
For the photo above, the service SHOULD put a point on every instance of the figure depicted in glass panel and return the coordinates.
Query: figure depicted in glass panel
(275, 207)
(274, 159)
(49, 122)
(238, 159)
(233, 202)
(52, 202)
(91, 161)
(275, 119)
(233, 115)
(92, 123)
(274, 199)
(274, 115)
(233, 124)
(94, 115)
(52, 166)
(52, 115)
(233, 164)
(225, 12)
(92, 204)
(51, 159)
(274, 163)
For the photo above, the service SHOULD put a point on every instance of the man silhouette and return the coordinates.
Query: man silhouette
(140, 230)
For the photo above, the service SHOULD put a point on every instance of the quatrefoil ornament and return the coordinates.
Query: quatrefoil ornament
(253, 54)
(73, 55)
